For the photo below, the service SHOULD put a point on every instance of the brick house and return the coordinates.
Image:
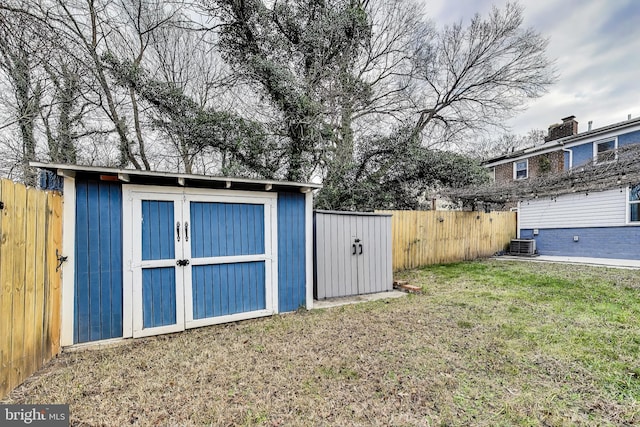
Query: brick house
(599, 223)
(534, 161)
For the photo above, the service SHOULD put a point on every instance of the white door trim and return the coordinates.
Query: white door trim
(68, 268)
(132, 246)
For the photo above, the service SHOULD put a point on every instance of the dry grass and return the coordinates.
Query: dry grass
(479, 347)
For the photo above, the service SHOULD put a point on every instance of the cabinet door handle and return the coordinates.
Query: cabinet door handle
(178, 230)
(360, 249)
(354, 249)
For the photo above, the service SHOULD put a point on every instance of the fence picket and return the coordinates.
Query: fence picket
(19, 268)
(30, 230)
(6, 285)
(55, 276)
(438, 237)
(40, 260)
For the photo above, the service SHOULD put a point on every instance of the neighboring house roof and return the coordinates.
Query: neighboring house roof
(181, 179)
(558, 144)
(582, 150)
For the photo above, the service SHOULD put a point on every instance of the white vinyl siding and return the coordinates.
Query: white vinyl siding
(597, 209)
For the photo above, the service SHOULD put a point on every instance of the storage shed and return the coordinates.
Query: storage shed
(352, 253)
(150, 252)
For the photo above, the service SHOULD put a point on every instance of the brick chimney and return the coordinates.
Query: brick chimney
(568, 127)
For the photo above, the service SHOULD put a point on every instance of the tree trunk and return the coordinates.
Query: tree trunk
(28, 104)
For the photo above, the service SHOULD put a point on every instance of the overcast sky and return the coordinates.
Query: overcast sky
(596, 45)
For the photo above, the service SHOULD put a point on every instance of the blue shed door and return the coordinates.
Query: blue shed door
(158, 279)
(199, 258)
(228, 259)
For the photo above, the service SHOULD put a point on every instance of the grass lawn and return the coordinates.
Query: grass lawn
(487, 343)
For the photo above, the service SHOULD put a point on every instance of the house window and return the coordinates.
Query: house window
(492, 174)
(605, 151)
(634, 204)
(521, 169)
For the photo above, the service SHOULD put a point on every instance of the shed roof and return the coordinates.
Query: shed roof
(135, 176)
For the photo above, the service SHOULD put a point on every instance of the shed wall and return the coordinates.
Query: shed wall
(291, 252)
(98, 290)
(98, 258)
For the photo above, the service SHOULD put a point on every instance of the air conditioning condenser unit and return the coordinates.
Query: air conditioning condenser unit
(526, 247)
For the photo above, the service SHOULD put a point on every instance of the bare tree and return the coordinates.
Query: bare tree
(356, 92)
(56, 110)
(83, 31)
(296, 52)
(140, 20)
(472, 78)
(19, 63)
(387, 63)
(77, 29)
(335, 70)
(61, 115)
(504, 143)
(184, 58)
(83, 25)
(381, 70)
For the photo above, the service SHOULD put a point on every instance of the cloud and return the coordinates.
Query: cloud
(594, 44)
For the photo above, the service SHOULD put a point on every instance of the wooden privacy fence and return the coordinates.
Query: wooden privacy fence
(435, 237)
(30, 232)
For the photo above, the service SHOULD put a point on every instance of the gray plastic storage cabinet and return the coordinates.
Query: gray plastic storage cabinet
(352, 253)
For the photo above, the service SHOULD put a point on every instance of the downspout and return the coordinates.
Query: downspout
(570, 155)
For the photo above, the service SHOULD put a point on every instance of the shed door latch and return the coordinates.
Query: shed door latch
(61, 259)
(182, 262)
